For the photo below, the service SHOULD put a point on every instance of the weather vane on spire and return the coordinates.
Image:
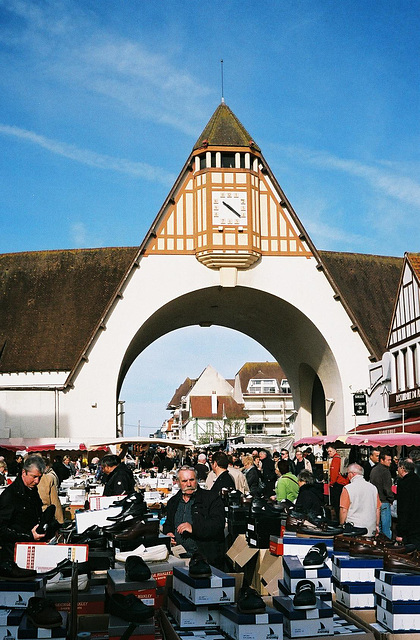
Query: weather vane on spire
(221, 68)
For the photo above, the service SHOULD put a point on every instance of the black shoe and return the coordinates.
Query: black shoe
(121, 525)
(136, 570)
(316, 556)
(46, 519)
(258, 505)
(249, 601)
(127, 501)
(348, 529)
(234, 497)
(305, 597)
(135, 509)
(199, 567)
(129, 608)
(9, 570)
(42, 613)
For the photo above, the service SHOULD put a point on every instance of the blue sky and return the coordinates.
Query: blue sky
(102, 101)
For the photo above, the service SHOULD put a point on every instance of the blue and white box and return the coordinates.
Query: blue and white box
(397, 586)
(188, 615)
(355, 595)
(218, 589)
(10, 620)
(349, 569)
(15, 595)
(251, 626)
(295, 546)
(398, 616)
(294, 571)
(303, 623)
(325, 596)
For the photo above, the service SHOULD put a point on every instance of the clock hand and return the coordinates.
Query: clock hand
(231, 208)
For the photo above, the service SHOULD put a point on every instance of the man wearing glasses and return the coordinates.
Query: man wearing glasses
(21, 507)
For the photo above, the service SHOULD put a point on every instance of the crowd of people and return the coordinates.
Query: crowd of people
(362, 492)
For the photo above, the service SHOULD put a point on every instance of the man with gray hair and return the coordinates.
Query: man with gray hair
(21, 507)
(359, 502)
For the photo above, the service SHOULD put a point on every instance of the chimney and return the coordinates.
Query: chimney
(214, 402)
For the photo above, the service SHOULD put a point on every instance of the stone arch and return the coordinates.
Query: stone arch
(281, 328)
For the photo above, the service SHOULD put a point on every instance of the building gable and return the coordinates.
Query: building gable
(405, 323)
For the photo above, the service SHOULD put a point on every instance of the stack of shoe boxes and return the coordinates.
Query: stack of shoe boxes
(14, 597)
(145, 591)
(260, 527)
(28, 631)
(204, 608)
(313, 621)
(354, 580)
(397, 601)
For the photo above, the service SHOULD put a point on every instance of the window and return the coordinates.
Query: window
(228, 160)
(254, 428)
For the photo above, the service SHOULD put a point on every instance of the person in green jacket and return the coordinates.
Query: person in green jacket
(287, 487)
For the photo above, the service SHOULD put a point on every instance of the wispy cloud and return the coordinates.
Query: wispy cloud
(70, 47)
(388, 183)
(79, 234)
(91, 158)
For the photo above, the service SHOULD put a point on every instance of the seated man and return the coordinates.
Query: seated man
(310, 498)
(196, 519)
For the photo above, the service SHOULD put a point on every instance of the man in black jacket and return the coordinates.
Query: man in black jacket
(119, 478)
(268, 472)
(408, 504)
(21, 508)
(196, 519)
(224, 480)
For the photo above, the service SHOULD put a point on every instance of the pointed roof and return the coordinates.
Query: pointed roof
(225, 130)
(414, 260)
(201, 407)
(260, 370)
(182, 391)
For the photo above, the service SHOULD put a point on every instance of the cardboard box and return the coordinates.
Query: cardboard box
(145, 591)
(240, 553)
(251, 626)
(294, 571)
(10, 620)
(307, 622)
(29, 631)
(220, 588)
(42, 556)
(15, 595)
(189, 615)
(348, 569)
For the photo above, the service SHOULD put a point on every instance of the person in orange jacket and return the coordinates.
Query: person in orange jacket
(337, 480)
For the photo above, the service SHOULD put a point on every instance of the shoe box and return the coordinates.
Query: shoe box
(276, 545)
(42, 556)
(28, 631)
(10, 620)
(99, 517)
(188, 615)
(16, 594)
(117, 583)
(94, 624)
(303, 623)
(355, 595)
(324, 596)
(143, 631)
(345, 568)
(399, 616)
(260, 528)
(102, 502)
(251, 626)
(397, 586)
(219, 588)
(294, 571)
(88, 602)
(296, 546)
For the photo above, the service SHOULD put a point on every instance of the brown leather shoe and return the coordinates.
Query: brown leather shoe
(294, 522)
(341, 543)
(365, 548)
(139, 529)
(402, 562)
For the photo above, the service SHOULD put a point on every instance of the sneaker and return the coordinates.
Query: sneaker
(159, 553)
(199, 567)
(305, 597)
(249, 601)
(136, 570)
(129, 608)
(9, 570)
(349, 529)
(316, 556)
(42, 613)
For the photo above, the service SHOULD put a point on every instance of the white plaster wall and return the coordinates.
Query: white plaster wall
(88, 409)
(28, 414)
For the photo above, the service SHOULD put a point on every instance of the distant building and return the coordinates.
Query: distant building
(211, 408)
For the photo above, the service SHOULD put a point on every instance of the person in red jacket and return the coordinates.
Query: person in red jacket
(337, 481)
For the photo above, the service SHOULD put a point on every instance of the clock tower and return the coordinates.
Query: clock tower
(226, 207)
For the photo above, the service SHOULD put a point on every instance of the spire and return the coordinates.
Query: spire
(225, 130)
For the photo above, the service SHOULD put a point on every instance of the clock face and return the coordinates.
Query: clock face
(229, 208)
